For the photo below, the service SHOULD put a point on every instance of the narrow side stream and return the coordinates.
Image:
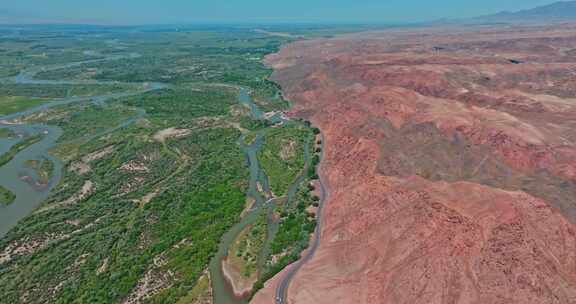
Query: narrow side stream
(28, 197)
(223, 292)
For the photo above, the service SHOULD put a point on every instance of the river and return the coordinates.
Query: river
(222, 290)
(263, 202)
(28, 194)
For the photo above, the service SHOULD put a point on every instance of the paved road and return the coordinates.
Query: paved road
(282, 288)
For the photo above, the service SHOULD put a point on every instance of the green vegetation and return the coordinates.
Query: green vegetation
(44, 169)
(28, 141)
(202, 177)
(250, 138)
(151, 181)
(6, 133)
(40, 91)
(14, 104)
(296, 224)
(88, 120)
(6, 196)
(254, 124)
(200, 293)
(145, 207)
(43, 48)
(182, 103)
(226, 57)
(295, 227)
(293, 236)
(282, 156)
(249, 245)
(267, 96)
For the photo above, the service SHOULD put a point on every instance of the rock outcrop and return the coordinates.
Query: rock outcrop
(450, 156)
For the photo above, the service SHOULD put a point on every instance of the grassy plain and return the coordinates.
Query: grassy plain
(14, 104)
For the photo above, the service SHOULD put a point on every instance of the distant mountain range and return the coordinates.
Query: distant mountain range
(558, 11)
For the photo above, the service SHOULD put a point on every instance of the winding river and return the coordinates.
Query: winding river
(263, 202)
(222, 291)
(28, 195)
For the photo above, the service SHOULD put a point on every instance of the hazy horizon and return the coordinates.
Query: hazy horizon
(131, 12)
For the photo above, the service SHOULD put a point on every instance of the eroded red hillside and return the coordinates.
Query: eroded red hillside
(451, 164)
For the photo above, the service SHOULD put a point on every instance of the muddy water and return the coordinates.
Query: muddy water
(272, 223)
(223, 292)
(245, 99)
(28, 196)
(12, 175)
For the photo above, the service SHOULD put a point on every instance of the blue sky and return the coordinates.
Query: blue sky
(190, 11)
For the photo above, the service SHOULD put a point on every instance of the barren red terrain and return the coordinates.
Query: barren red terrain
(450, 159)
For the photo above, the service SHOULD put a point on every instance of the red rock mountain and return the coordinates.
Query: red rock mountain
(450, 161)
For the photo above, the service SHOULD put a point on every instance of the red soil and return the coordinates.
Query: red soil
(451, 161)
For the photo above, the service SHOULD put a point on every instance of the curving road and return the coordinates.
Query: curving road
(281, 296)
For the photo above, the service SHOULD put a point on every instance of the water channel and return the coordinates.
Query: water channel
(15, 175)
(29, 196)
(263, 202)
